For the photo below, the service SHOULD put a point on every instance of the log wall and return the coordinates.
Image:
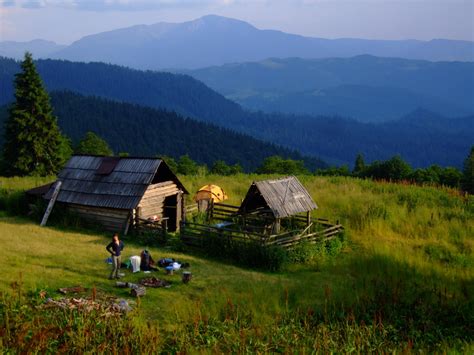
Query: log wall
(152, 202)
(113, 220)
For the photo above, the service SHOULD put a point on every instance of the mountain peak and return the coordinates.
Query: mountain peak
(215, 22)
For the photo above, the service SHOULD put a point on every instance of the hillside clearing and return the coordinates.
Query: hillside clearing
(409, 254)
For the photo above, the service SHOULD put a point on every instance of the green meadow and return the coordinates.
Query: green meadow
(402, 282)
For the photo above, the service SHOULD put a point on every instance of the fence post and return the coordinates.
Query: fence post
(164, 227)
(210, 210)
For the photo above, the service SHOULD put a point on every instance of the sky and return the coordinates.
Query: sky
(65, 21)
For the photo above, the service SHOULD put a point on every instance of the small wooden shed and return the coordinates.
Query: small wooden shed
(117, 192)
(278, 198)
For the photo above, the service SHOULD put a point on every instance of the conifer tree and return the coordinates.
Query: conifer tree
(468, 173)
(359, 165)
(33, 142)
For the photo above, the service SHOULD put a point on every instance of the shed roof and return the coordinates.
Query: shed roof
(39, 190)
(84, 183)
(284, 197)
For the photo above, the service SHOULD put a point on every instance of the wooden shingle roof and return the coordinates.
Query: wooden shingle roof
(83, 182)
(284, 197)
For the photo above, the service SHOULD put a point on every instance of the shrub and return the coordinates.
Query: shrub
(14, 202)
(334, 246)
(307, 253)
(245, 253)
(187, 166)
(221, 168)
(279, 165)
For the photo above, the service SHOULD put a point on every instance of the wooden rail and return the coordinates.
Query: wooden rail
(251, 227)
(146, 225)
(195, 234)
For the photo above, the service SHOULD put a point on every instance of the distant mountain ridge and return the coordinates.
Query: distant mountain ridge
(365, 87)
(215, 40)
(40, 48)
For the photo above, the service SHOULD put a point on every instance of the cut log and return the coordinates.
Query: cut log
(74, 289)
(138, 291)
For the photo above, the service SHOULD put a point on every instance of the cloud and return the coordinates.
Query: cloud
(114, 5)
(7, 3)
(33, 4)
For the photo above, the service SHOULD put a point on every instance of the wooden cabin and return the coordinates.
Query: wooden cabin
(117, 192)
(276, 199)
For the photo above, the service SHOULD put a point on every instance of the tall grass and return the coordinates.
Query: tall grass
(389, 314)
(402, 281)
(12, 197)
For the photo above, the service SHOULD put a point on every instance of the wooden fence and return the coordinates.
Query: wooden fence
(225, 222)
(147, 226)
(222, 211)
(290, 239)
(196, 235)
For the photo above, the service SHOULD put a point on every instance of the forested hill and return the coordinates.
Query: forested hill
(180, 93)
(366, 88)
(437, 141)
(149, 132)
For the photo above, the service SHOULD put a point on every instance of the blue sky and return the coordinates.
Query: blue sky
(64, 21)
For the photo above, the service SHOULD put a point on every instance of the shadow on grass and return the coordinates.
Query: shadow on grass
(403, 300)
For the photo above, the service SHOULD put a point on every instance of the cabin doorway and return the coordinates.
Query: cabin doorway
(170, 212)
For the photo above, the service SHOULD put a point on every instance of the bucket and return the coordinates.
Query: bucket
(187, 276)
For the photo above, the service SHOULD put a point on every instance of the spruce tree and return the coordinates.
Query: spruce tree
(359, 165)
(33, 142)
(468, 173)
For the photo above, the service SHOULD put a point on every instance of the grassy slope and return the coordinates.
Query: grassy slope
(420, 234)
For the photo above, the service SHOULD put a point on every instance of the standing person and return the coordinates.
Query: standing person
(115, 248)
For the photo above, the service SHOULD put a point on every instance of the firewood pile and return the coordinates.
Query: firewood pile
(74, 289)
(154, 282)
(109, 306)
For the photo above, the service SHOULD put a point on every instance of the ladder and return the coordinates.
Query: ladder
(57, 187)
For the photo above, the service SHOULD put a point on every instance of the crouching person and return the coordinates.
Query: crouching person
(115, 248)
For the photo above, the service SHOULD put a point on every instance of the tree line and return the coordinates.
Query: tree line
(394, 169)
(397, 170)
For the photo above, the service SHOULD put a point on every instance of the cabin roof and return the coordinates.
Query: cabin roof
(100, 182)
(284, 197)
(39, 190)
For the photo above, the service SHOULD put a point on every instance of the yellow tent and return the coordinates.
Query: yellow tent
(210, 192)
